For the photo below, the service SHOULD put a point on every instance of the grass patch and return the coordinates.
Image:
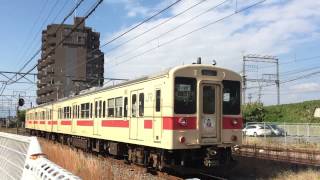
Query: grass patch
(301, 175)
(91, 167)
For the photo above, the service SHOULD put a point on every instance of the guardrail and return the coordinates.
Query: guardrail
(21, 158)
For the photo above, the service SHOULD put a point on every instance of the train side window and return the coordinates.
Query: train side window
(78, 111)
(100, 109)
(91, 110)
(125, 113)
(104, 109)
(118, 107)
(96, 109)
(111, 107)
(72, 114)
(141, 104)
(85, 110)
(158, 98)
(134, 105)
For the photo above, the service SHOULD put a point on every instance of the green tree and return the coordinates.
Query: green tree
(253, 112)
(22, 115)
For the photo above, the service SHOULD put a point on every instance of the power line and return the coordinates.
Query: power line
(33, 40)
(34, 24)
(61, 9)
(173, 29)
(139, 24)
(193, 31)
(295, 61)
(126, 32)
(308, 75)
(94, 7)
(158, 25)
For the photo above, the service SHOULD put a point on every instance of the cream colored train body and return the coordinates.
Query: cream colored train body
(187, 107)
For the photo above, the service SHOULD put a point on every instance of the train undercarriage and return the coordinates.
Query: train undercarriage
(159, 159)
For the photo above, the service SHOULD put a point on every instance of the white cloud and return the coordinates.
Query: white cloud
(306, 87)
(132, 7)
(274, 28)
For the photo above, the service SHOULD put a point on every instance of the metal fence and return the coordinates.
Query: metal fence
(304, 134)
(21, 158)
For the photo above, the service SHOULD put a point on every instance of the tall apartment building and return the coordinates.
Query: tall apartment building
(74, 65)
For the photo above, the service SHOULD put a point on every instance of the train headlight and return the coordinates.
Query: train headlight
(234, 122)
(183, 122)
(182, 139)
(234, 138)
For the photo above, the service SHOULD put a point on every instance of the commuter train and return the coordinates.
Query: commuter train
(188, 115)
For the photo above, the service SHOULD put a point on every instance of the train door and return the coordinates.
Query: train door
(157, 116)
(133, 124)
(209, 110)
(74, 117)
(97, 114)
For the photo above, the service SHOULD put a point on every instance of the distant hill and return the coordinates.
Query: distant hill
(297, 112)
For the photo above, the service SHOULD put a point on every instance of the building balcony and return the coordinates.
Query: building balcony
(40, 92)
(51, 97)
(39, 100)
(40, 75)
(50, 70)
(48, 89)
(41, 84)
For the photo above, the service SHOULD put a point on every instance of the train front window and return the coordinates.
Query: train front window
(231, 97)
(185, 95)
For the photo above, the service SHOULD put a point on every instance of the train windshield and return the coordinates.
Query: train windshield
(185, 95)
(231, 97)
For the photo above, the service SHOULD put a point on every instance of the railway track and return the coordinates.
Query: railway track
(289, 155)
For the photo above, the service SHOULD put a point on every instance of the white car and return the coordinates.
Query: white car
(257, 130)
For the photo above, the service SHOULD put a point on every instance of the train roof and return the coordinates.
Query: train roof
(143, 78)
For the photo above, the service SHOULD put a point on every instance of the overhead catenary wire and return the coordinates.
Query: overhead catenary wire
(173, 29)
(95, 6)
(39, 50)
(308, 75)
(191, 32)
(42, 8)
(157, 25)
(124, 33)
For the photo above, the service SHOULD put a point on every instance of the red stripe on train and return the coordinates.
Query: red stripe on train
(115, 123)
(53, 122)
(148, 124)
(65, 122)
(172, 123)
(227, 122)
(84, 123)
(35, 122)
(42, 122)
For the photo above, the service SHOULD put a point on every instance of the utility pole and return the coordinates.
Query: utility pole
(250, 97)
(244, 84)
(278, 83)
(272, 78)
(17, 116)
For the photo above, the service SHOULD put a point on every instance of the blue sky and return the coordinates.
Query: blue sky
(286, 29)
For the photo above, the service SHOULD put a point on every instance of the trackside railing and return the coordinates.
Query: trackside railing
(21, 158)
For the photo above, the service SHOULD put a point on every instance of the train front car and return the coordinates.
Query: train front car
(206, 118)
